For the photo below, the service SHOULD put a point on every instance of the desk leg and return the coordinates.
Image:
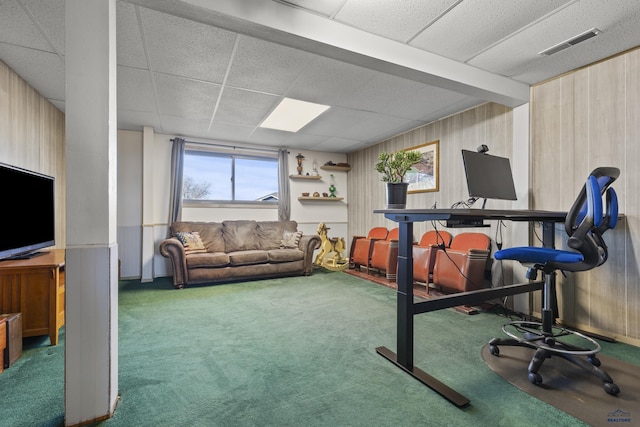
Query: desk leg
(404, 358)
(405, 295)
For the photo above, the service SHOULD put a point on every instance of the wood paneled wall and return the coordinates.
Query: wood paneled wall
(32, 136)
(579, 121)
(490, 124)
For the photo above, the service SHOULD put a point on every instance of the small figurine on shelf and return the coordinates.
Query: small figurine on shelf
(299, 158)
(332, 187)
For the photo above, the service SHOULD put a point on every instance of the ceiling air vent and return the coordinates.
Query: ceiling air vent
(572, 41)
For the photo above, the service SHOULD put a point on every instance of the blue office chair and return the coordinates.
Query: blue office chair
(585, 223)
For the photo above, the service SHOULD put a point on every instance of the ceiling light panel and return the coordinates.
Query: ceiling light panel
(291, 115)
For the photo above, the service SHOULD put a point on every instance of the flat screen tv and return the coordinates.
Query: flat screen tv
(28, 212)
(488, 177)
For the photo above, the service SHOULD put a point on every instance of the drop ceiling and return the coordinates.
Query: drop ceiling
(214, 70)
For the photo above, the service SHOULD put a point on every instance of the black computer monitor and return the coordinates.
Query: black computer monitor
(488, 177)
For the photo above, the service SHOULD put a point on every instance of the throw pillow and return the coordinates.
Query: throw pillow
(290, 239)
(191, 241)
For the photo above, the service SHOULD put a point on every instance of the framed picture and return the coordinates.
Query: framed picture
(424, 176)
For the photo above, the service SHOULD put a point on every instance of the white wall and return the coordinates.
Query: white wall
(131, 199)
(130, 202)
(309, 214)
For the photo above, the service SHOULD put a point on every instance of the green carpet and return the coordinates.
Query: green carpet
(283, 352)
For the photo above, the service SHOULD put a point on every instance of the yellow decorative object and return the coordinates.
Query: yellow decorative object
(335, 245)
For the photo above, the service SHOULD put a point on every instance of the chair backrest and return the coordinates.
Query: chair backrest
(587, 220)
(393, 234)
(465, 241)
(436, 237)
(378, 233)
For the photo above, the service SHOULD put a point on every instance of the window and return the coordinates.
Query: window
(230, 178)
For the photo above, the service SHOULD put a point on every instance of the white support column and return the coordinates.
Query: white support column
(91, 331)
(521, 168)
(148, 234)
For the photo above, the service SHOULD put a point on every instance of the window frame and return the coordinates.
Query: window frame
(233, 155)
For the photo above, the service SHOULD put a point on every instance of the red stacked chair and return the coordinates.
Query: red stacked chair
(361, 247)
(384, 256)
(461, 267)
(424, 254)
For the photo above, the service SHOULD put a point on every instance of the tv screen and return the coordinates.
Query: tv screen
(28, 212)
(488, 177)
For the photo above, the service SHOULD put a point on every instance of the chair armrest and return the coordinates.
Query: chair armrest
(173, 249)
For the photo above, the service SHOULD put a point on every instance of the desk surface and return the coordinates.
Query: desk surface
(400, 215)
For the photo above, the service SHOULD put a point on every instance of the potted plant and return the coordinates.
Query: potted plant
(393, 167)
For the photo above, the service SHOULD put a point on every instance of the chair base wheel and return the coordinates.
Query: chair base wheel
(611, 389)
(594, 361)
(535, 378)
(494, 350)
(580, 350)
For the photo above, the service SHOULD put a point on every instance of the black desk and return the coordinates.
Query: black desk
(407, 308)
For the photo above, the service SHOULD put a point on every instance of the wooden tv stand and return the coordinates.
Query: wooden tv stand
(35, 287)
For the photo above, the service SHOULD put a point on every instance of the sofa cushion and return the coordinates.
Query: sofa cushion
(270, 232)
(208, 260)
(290, 239)
(285, 255)
(240, 236)
(191, 242)
(210, 233)
(248, 257)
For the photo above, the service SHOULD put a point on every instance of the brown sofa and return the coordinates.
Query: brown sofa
(237, 250)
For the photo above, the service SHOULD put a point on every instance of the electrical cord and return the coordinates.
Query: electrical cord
(464, 203)
(440, 242)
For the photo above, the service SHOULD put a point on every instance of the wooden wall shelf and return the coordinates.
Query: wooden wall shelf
(336, 168)
(314, 177)
(320, 199)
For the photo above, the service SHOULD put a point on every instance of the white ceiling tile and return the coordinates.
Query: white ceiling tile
(264, 136)
(190, 59)
(498, 20)
(395, 19)
(136, 120)
(329, 82)
(518, 55)
(18, 29)
(339, 145)
(372, 127)
(130, 49)
(263, 66)
(186, 48)
(244, 107)
(186, 98)
(177, 125)
(302, 140)
(227, 132)
(50, 16)
(135, 90)
(44, 71)
(323, 7)
(335, 121)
